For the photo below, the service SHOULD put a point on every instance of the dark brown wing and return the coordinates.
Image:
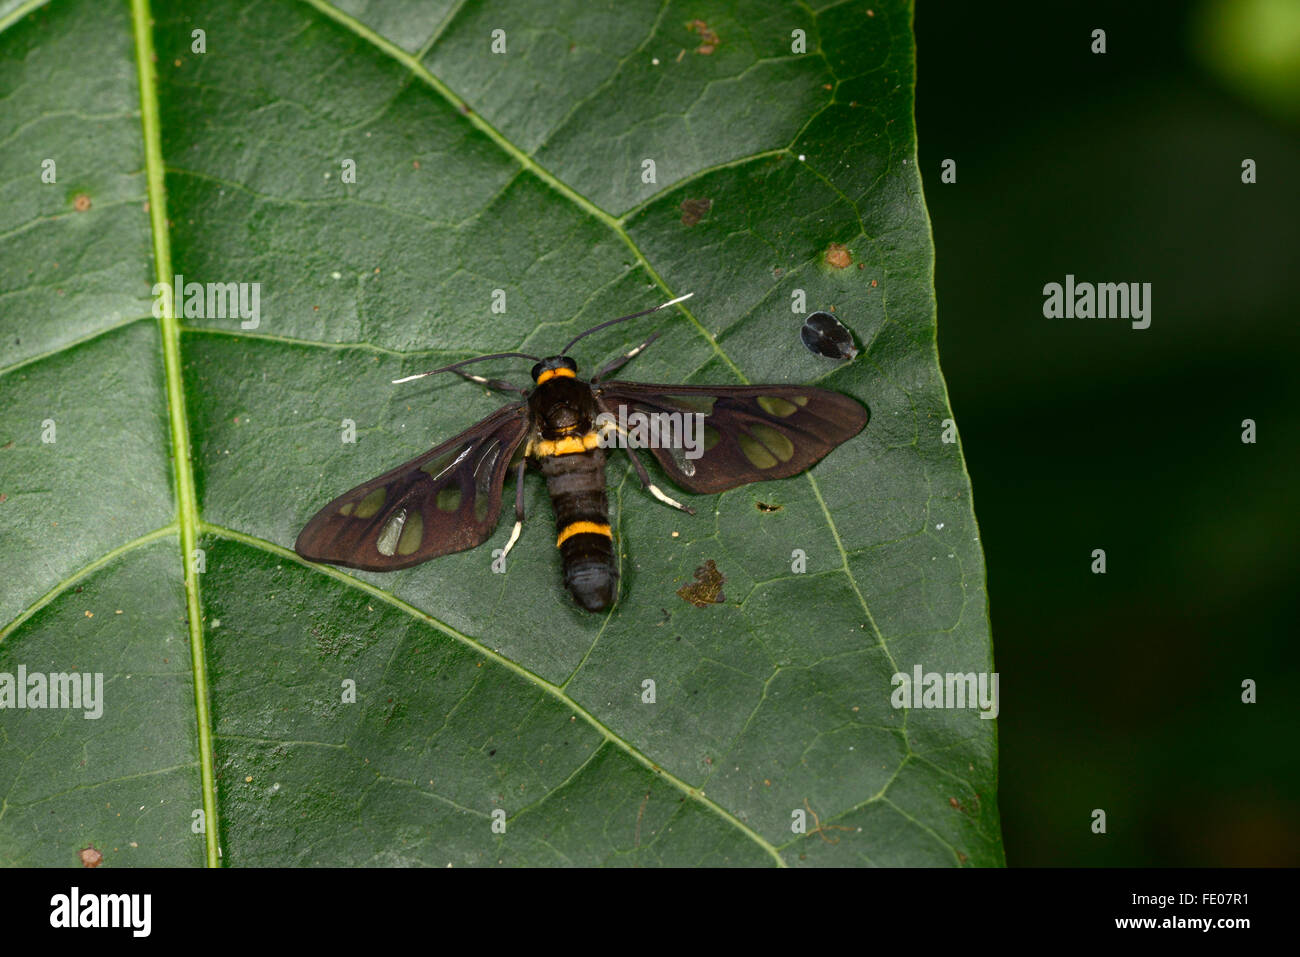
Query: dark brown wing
(751, 432)
(447, 500)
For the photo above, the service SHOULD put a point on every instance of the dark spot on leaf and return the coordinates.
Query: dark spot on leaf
(492, 753)
(708, 38)
(706, 589)
(693, 210)
(90, 857)
(764, 507)
(838, 255)
(826, 336)
(81, 203)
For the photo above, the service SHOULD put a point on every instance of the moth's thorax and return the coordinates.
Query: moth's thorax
(563, 406)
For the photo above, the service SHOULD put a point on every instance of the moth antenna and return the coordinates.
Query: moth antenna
(465, 362)
(643, 312)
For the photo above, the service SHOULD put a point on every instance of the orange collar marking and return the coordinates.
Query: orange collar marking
(550, 374)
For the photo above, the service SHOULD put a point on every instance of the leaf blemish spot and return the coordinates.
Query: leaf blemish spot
(90, 857)
(693, 210)
(81, 203)
(838, 255)
(708, 38)
(706, 590)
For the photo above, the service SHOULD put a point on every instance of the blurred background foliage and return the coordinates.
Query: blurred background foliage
(1123, 691)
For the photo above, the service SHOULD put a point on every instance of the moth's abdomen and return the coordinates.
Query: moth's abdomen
(576, 482)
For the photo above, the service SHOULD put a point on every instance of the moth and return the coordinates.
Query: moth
(449, 498)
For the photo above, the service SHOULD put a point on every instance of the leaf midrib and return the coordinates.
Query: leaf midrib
(187, 510)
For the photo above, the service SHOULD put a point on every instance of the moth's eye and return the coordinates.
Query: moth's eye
(569, 363)
(537, 370)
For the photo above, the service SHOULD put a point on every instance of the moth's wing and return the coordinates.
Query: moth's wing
(751, 433)
(447, 500)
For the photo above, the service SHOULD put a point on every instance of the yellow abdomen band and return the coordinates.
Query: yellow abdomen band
(582, 528)
(567, 445)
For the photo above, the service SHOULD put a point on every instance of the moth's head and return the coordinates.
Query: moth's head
(555, 366)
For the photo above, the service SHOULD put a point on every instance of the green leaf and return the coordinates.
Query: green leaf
(225, 668)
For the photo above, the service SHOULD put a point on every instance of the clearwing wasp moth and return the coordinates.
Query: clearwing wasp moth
(449, 498)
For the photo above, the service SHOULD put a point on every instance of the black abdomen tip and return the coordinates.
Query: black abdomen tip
(593, 585)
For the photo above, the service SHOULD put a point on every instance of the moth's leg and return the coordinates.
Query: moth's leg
(654, 489)
(641, 472)
(519, 507)
(622, 360)
(491, 383)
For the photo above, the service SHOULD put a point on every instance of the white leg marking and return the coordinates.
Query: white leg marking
(476, 378)
(514, 537)
(673, 302)
(654, 490)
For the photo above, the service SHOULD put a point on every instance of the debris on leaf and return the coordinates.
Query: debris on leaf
(764, 507)
(706, 590)
(708, 38)
(693, 210)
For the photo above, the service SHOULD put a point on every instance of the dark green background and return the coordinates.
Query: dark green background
(1122, 691)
